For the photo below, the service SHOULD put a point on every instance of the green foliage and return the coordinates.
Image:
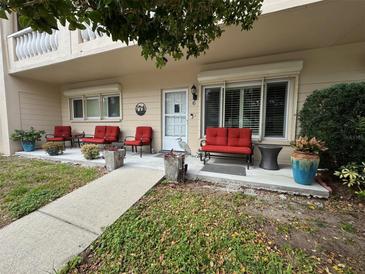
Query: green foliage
(23, 202)
(353, 175)
(162, 28)
(90, 151)
(347, 227)
(26, 185)
(54, 148)
(176, 231)
(336, 115)
(30, 135)
(304, 144)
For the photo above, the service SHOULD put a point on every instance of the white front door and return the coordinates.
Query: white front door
(174, 118)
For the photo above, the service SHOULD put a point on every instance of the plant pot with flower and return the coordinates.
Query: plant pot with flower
(27, 138)
(305, 159)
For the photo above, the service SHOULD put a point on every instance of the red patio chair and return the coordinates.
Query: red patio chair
(61, 134)
(142, 138)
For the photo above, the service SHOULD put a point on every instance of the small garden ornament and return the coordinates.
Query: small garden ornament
(305, 159)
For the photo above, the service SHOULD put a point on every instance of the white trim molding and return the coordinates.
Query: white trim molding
(255, 72)
(94, 90)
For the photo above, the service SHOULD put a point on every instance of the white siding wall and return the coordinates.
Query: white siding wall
(322, 68)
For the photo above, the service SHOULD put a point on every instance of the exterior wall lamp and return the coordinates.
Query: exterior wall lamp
(194, 92)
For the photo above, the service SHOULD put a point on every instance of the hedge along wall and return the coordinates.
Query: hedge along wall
(336, 115)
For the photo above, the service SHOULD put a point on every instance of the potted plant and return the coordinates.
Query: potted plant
(114, 157)
(90, 151)
(27, 138)
(305, 159)
(54, 148)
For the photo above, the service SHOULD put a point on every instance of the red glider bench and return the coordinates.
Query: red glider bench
(103, 135)
(237, 141)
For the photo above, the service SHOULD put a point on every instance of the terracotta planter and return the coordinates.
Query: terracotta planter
(304, 166)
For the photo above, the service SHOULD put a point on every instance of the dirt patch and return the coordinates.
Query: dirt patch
(330, 230)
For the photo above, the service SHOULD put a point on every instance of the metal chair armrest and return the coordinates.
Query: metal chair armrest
(129, 137)
(203, 142)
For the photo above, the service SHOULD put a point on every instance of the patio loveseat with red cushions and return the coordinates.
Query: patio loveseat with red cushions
(236, 141)
(103, 135)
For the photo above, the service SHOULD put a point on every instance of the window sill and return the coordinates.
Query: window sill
(97, 121)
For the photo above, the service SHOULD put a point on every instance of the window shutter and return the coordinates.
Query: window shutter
(212, 107)
(276, 94)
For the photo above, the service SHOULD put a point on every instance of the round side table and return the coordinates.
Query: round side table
(269, 156)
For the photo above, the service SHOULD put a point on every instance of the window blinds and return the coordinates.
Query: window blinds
(212, 107)
(242, 108)
(276, 94)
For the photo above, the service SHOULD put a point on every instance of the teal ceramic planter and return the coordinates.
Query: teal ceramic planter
(28, 146)
(304, 167)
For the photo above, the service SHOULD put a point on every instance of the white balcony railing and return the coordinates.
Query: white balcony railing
(88, 34)
(30, 49)
(29, 43)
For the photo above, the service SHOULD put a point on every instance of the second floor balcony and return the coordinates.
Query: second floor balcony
(29, 49)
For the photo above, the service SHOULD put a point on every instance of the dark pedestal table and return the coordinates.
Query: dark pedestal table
(269, 156)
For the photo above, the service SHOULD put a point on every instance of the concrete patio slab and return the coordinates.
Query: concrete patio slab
(47, 238)
(273, 180)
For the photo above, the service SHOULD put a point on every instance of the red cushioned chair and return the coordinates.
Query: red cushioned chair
(103, 135)
(142, 138)
(61, 134)
(227, 141)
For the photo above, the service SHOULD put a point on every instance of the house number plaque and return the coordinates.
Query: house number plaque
(141, 109)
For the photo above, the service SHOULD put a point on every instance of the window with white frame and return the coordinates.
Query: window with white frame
(77, 108)
(95, 107)
(261, 107)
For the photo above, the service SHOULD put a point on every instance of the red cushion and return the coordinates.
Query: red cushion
(112, 133)
(100, 132)
(240, 137)
(132, 143)
(93, 140)
(55, 139)
(62, 131)
(216, 136)
(144, 133)
(227, 149)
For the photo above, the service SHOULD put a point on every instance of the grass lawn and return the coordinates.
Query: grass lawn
(193, 228)
(28, 184)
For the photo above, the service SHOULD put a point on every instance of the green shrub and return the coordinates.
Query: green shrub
(53, 148)
(90, 151)
(353, 175)
(30, 135)
(336, 115)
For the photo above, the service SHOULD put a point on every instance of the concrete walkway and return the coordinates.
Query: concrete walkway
(44, 240)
